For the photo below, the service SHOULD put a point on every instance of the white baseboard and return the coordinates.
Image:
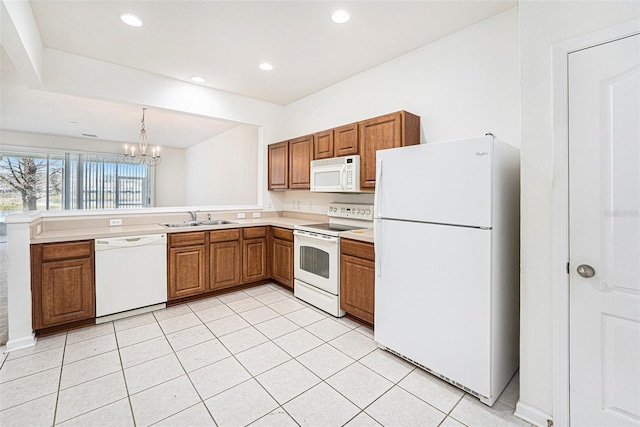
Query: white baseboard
(532, 415)
(20, 343)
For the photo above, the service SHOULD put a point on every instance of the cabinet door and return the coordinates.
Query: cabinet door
(187, 271)
(300, 156)
(254, 260)
(357, 286)
(346, 140)
(66, 292)
(279, 166)
(357, 278)
(282, 262)
(376, 134)
(225, 260)
(323, 145)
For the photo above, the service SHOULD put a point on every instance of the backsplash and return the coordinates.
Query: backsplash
(301, 201)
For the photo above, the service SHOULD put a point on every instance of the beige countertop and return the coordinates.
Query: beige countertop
(361, 235)
(102, 232)
(133, 230)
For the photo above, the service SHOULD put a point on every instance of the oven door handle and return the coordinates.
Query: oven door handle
(311, 236)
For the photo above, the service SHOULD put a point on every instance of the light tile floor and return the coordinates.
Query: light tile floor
(257, 357)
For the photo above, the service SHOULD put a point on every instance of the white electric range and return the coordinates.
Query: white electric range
(317, 255)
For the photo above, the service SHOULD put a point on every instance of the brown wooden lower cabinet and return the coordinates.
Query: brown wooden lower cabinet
(254, 254)
(225, 259)
(282, 256)
(187, 265)
(62, 283)
(357, 279)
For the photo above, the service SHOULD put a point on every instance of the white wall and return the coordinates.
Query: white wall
(223, 170)
(465, 84)
(542, 24)
(169, 178)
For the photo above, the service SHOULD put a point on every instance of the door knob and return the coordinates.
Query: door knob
(586, 271)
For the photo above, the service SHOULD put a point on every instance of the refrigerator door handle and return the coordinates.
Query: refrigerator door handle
(376, 200)
(376, 246)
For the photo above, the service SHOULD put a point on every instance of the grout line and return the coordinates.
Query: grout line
(55, 409)
(124, 377)
(186, 374)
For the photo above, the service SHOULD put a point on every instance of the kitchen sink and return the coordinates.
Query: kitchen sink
(216, 222)
(198, 223)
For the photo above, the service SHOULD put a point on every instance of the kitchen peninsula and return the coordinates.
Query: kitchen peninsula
(28, 230)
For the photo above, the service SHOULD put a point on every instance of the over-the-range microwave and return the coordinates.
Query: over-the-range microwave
(336, 175)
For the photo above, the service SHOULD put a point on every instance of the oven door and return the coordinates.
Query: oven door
(316, 260)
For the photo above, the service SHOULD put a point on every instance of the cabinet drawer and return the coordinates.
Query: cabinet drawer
(254, 232)
(58, 251)
(358, 249)
(282, 234)
(224, 235)
(186, 239)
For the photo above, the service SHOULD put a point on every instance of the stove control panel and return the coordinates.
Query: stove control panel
(351, 210)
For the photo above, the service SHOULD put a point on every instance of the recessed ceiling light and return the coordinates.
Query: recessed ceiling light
(73, 122)
(197, 79)
(130, 19)
(340, 16)
(266, 66)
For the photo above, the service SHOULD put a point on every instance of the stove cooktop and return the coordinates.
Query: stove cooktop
(325, 226)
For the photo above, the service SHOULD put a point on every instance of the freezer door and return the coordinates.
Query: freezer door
(446, 182)
(433, 298)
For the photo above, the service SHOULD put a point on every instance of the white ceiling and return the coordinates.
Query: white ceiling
(223, 41)
(38, 111)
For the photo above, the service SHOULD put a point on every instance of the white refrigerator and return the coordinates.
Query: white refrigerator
(447, 260)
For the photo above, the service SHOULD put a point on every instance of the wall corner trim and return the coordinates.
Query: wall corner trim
(532, 415)
(20, 343)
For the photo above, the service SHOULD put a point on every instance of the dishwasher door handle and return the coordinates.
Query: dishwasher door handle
(130, 241)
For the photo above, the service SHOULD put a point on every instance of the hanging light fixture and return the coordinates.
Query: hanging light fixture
(130, 156)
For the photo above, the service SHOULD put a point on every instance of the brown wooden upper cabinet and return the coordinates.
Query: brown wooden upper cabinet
(290, 164)
(345, 140)
(300, 156)
(323, 145)
(388, 131)
(290, 161)
(279, 166)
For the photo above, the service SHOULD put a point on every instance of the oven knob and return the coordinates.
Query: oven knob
(368, 211)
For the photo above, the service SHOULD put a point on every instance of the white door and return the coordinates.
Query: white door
(604, 188)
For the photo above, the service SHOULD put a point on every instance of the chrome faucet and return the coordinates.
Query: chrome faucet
(193, 215)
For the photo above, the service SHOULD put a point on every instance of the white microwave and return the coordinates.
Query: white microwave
(336, 175)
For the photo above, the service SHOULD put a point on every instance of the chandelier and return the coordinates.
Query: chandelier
(130, 156)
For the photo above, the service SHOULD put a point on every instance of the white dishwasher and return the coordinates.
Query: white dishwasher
(131, 275)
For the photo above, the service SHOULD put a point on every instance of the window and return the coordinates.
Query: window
(30, 181)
